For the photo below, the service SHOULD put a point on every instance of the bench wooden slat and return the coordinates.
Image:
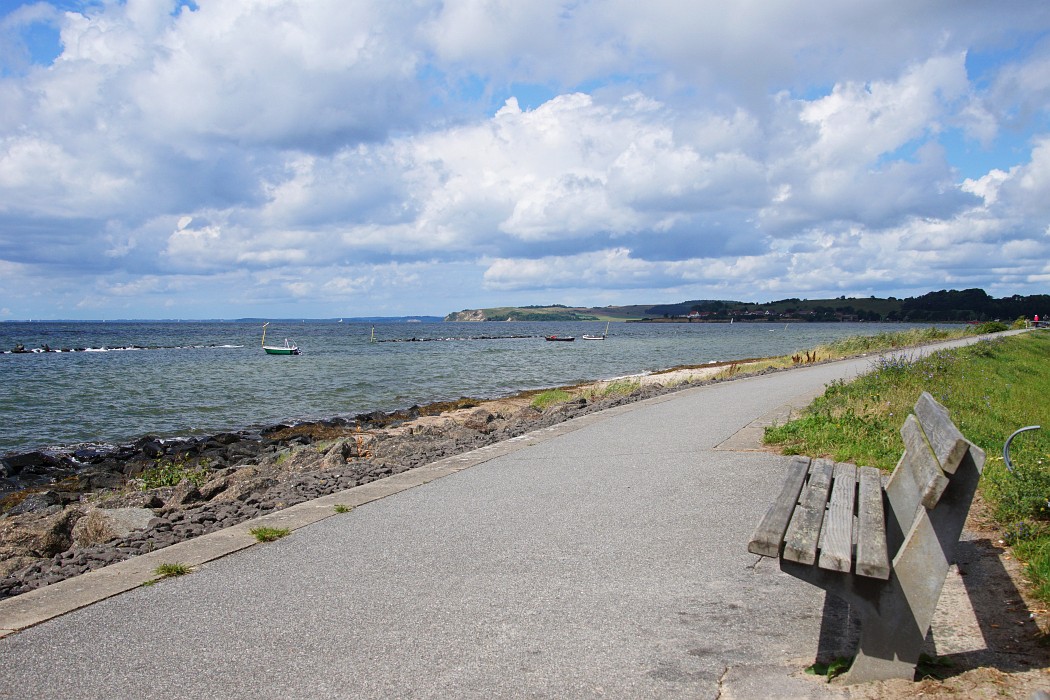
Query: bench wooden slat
(947, 441)
(769, 534)
(836, 541)
(872, 555)
(803, 533)
(921, 461)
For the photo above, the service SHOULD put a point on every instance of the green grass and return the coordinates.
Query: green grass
(174, 569)
(621, 387)
(546, 399)
(618, 387)
(991, 389)
(171, 472)
(269, 534)
(1035, 554)
(343, 508)
(860, 344)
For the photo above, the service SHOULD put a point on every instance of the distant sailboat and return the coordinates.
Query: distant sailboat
(598, 337)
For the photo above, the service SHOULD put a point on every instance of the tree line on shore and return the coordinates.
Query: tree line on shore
(941, 306)
(949, 306)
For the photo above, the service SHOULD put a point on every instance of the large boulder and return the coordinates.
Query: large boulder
(35, 462)
(40, 502)
(111, 500)
(480, 420)
(243, 483)
(100, 525)
(184, 493)
(362, 446)
(526, 414)
(37, 534)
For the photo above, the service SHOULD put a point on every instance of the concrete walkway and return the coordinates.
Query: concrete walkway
(606, 557)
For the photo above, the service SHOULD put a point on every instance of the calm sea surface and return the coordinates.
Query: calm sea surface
(196, 378)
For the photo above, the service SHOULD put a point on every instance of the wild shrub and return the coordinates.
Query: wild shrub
(171, 472)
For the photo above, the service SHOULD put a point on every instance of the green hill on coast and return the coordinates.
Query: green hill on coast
(943, 306)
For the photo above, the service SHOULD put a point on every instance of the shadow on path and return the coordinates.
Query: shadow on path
(981, 621)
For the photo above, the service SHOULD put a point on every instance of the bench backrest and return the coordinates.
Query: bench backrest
(936, 456)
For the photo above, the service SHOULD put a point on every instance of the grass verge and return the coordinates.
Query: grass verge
(846, 347)
(551, 397)
(991, 389)
(616, 387)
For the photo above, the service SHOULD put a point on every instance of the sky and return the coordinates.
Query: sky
(341, 158)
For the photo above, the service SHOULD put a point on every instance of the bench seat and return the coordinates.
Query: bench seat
(833, 508)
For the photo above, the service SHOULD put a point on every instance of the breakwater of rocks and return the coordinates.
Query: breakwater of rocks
(21, 349)
(67, 513)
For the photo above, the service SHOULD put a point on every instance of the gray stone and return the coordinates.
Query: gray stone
(37, 534)
(101, 525)
(185, 492)
(213, 488)
(480, 420)
(37, 502)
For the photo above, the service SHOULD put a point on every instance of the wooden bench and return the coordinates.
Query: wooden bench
(883, 547)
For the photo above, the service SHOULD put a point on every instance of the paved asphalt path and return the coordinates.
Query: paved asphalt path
(608, 561)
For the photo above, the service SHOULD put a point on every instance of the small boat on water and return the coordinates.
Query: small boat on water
(598, 337)
(286, 349)
(562, 338)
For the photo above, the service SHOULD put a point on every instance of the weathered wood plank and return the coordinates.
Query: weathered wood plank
(946, 440)
(769, 534)
(920, 459)
(818, 486)
(912, 485)
(803, 533)
(872, 554)
(836, 540)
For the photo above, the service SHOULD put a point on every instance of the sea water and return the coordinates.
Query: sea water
(122, 380)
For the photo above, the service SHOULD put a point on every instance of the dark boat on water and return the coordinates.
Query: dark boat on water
(562, 338)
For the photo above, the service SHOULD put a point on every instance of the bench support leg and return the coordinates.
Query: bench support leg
(892, 627)
(891, 640)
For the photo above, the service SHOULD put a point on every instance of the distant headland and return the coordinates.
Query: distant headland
(945, 306)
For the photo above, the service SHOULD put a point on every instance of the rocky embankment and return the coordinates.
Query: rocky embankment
(73, 512)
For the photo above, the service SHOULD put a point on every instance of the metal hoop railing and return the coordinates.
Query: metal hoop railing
(1006, 446)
